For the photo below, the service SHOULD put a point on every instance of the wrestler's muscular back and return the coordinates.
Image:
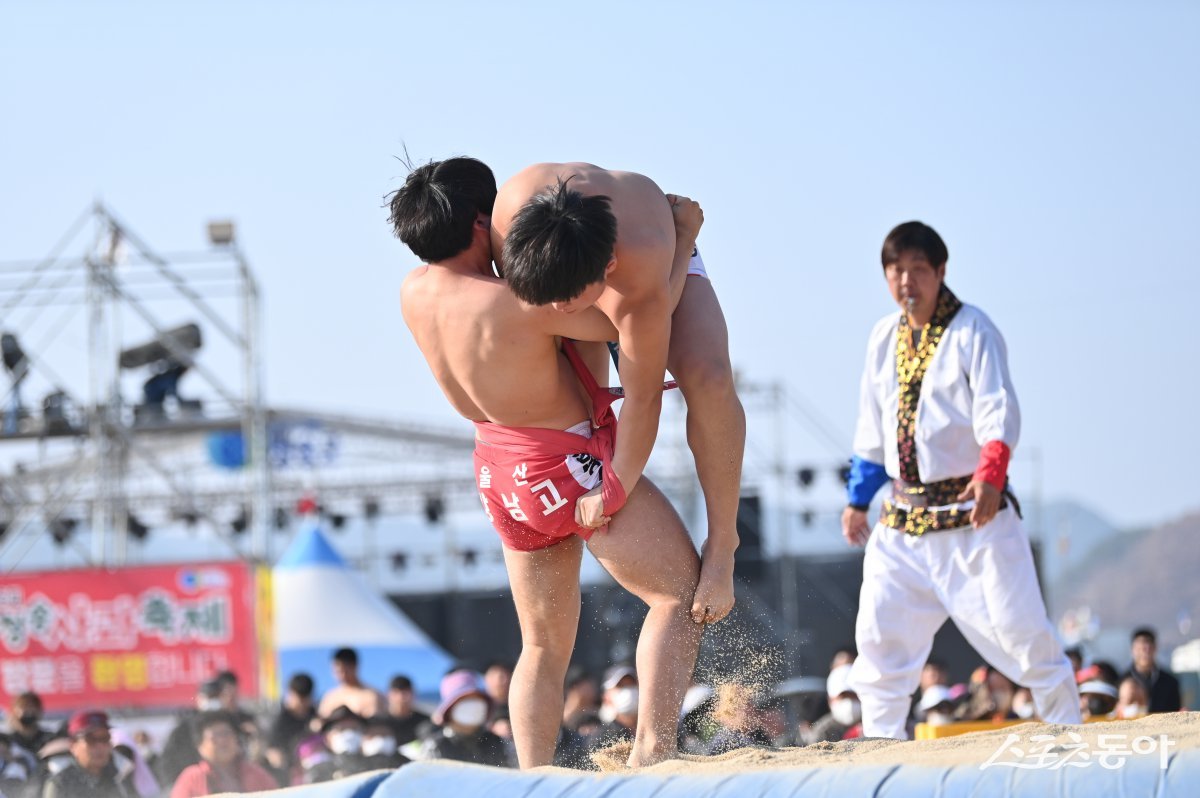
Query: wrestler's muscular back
(645, 228)
(490, 361)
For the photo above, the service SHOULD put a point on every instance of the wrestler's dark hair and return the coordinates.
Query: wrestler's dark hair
(559, 243)
(435, 210)
(915, 237)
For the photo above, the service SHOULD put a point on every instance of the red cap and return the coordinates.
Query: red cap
(82, 722)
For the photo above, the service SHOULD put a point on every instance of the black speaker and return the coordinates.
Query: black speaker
(748, 562)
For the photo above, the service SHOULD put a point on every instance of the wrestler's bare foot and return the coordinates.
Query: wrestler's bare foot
(646, 759)
(714, 592)
(650, 749)
(624, 756)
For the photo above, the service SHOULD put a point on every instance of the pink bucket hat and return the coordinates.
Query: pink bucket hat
(457, 685)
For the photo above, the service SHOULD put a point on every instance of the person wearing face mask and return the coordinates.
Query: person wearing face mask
(460, 731)
(343, 733)
(1097, 699)
(936, 706)
(1023, 707)
(25, 723)
(618, 708)
(1132, 701)
(379, 745)
(845, 713)
(141, 777)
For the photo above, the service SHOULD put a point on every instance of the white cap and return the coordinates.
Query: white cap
(839, 681)
(934, 695)
(1097, 687)
(616, 673)
(696, 695)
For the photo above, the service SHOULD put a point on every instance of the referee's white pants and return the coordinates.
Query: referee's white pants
(985, 581)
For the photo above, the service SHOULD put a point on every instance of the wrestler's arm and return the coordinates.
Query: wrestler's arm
(688, 217)
(587, 325)
(643, 325)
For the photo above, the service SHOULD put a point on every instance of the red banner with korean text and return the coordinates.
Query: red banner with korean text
(140, 636)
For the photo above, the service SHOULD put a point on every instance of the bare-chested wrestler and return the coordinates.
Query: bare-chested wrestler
(574, 235)
(499, 362)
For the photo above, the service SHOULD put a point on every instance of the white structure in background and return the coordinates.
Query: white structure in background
(321, 605)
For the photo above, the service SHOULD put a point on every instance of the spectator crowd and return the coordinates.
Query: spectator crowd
(220, 747)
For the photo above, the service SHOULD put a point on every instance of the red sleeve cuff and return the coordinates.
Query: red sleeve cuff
(993, 464)
(612, 494)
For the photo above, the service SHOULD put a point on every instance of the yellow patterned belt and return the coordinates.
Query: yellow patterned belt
(916, 508)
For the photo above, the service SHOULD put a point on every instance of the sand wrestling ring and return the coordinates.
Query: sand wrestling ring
(1155, 756)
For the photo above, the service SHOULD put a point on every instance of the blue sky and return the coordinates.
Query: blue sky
(1054, 146)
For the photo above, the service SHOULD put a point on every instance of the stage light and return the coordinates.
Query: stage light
(281, 518)
(239, 524)
(807, 517)
(399, 561)
(337, 520)
(221, 233)
(844, 474)
(371, 508)
(14, 356)
(18, 366)
(469, 557)
(805, 477)
(61, 530)
(137, 530)
(435, 508)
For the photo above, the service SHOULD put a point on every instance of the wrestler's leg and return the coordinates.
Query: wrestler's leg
(545, 588)
(647, 550)
(716, 424)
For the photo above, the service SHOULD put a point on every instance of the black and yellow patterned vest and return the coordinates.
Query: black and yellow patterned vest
(916, 507)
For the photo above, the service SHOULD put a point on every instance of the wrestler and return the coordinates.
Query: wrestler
(573, 235)
(499, 362)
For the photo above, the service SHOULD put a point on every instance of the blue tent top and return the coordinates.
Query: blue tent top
(308, 549)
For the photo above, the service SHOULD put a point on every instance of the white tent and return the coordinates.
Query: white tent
(322, 605)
